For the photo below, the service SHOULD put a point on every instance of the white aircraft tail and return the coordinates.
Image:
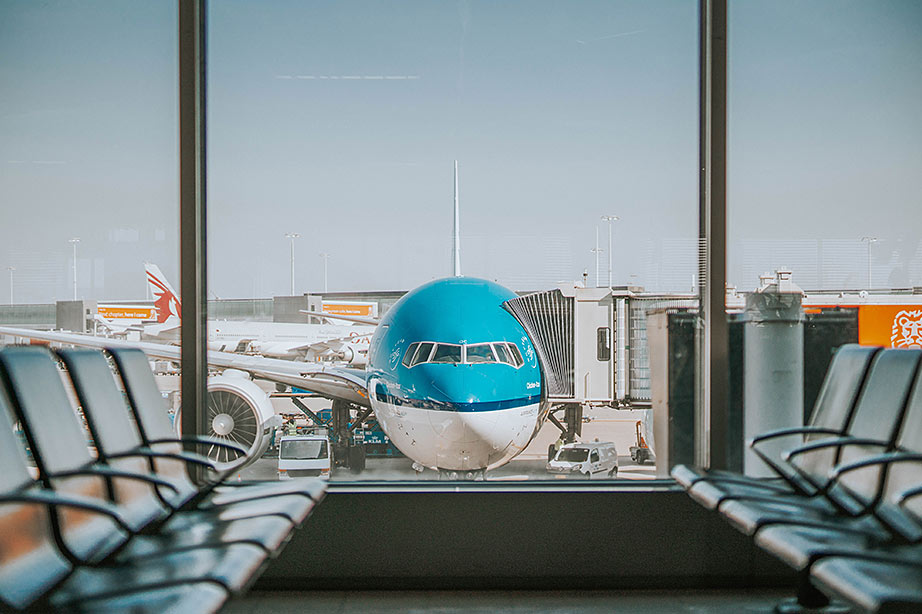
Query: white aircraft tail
(166, 300)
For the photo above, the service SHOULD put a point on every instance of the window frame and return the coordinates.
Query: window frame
(489, 344)
(712, 387)
(416, 357)
(411, 357)
(410, 354)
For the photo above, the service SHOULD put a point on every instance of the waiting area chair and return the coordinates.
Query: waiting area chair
(102, 533)
(855, 531)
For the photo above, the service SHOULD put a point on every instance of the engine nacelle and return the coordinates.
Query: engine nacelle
(352, 354)
(239, 412)
(355, 355)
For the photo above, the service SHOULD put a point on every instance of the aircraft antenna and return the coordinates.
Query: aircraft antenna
(456, 236)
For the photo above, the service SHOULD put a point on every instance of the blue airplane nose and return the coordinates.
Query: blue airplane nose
(450, 384)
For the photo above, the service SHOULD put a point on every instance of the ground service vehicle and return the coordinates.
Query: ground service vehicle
(585, 459)
(304, 456)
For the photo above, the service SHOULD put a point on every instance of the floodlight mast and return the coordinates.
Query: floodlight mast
(869, 240)
(74, 242)
(597, 250)
(291, 236)
(326, 259)
(609, 219)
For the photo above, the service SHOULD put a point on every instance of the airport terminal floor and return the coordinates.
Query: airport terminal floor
(507, 602)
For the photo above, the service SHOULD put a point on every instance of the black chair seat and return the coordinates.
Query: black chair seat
(231, 567)
(231, 493)
(711, 493)
(877, 587)
(187, 531)
(801, 546)
(293, 508)
(202, 598)
(687, 476)
(748, 516)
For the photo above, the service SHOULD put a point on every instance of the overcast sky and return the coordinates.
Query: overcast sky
(340, 121)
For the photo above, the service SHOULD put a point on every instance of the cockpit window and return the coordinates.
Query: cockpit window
(422, 353)
(516, 355)
(451, 353)
(446, 353)
(408, 357)
(502, 353)
(481, 352)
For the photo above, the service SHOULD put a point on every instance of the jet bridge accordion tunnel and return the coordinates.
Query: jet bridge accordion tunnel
(594, 347)
(592, 342)
(571, 330)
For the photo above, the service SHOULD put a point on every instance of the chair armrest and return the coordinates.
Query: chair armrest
(884, 460)
(202, 440)
(55, 500)
(776, 467)
(836, 442)
(908, 494)
(194, 459)
(109, 472)
(797, 430)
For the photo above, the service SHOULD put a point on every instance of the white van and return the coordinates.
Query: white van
(304, 456)
(585, 459)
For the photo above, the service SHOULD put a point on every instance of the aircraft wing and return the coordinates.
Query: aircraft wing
(330, 345)
(336, 316)
(118, 329)
(332, 382)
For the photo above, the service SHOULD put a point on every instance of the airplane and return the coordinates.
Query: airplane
(452, 377)
(291, 341)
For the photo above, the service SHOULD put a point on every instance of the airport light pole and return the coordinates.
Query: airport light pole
(291, 236)
(609, 219)
(597, 250)
(11, 268)
(326, 259)
(869, 240)
(74, 242)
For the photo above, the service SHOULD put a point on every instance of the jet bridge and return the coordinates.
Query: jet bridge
(592, 342)
(572, 331)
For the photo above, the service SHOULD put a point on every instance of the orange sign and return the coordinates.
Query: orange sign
(349, 309)
(898, 326)
(123, 312)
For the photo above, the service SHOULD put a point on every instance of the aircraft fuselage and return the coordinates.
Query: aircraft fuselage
(453, 378)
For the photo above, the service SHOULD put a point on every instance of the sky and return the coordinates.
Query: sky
(340, 121)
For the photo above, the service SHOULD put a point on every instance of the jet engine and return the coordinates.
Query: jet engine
(239, 412)
(352, 354)
(355, 355)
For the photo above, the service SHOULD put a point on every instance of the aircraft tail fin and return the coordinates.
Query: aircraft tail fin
(456, 234)
(166, 301)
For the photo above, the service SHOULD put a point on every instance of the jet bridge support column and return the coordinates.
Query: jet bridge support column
(773, 365)
(339, 435)
(573, 417)
(345, 454)
(307, 411)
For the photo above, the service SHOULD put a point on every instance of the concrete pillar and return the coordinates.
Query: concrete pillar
(773, 382)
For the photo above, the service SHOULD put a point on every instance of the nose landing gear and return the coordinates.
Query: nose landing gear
(463, 475)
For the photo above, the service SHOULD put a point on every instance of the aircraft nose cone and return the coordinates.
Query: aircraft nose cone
(222, 424)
